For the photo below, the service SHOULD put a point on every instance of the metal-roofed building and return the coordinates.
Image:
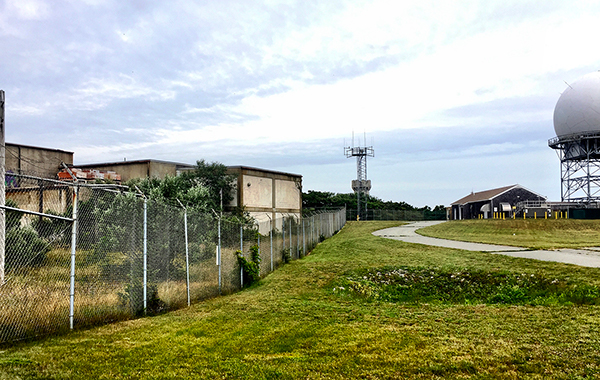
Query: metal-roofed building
(140, 168)
(501, 202)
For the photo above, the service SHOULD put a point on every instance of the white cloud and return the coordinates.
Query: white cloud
(28, 9)
(235, 77)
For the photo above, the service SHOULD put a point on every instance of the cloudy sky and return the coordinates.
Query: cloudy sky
(454, 96)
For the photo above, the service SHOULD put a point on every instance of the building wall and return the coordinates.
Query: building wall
(472, 210)
(258, 191)
(515, 196)
(55, 198)
(288, 196)
(42, 162)
(139, 169)
(267, 194)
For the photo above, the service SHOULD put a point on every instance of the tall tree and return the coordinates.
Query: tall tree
(199, 188)
(215, 178)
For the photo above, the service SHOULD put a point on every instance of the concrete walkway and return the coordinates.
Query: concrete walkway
(587, 257)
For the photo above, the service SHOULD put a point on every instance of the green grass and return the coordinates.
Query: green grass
(293, 325)
(530, 233)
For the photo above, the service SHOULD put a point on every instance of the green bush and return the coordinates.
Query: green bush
(55, 230)
(13, 218)
(24, 248)
(250, 268)
(133, 297)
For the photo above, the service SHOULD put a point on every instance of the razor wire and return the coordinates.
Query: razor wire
(81, 255)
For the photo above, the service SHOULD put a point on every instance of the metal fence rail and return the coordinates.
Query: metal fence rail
(376, 214)
(80, 255)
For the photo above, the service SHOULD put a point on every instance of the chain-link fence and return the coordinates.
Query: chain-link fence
(377, 214)
(80, 254)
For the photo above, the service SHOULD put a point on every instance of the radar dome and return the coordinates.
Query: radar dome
(578, 108)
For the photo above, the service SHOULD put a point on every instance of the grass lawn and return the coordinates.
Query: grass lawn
(531, 233)
(296, 324)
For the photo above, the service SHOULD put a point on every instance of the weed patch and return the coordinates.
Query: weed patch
(424, 285)
(250, 268)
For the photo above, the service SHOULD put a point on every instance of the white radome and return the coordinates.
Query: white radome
(578, 108)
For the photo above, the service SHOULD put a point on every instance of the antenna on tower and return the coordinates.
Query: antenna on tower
(361, 185)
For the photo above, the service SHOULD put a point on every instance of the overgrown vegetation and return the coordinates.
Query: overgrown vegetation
(24, 247)
(199, 189)
(133, 298)
(250, 268)
(466, 286)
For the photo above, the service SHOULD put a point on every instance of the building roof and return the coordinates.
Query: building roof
(134, 162)
(38, 147)
(263, 170)
(484, 195)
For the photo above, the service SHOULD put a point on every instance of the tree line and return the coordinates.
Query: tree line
(322, 200)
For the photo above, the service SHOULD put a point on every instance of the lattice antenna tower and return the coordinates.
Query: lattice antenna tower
(577, 141)
(361, 185)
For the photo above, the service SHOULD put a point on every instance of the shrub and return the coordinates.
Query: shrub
(13, 218)
(250, 268)
(24, 248)
(53, 229)
(133, 297)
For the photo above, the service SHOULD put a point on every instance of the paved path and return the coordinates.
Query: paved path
(587, 257)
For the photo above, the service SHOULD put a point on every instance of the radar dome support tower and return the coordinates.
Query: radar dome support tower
(577, 127)
(361, 185)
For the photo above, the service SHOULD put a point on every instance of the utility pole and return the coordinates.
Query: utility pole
(2, 190)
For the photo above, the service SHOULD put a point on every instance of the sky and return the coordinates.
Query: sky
(454, 96)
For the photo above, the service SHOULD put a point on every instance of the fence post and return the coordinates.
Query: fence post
(219, 253)
(291, 242)
(73, 249)
(298, 240)
(187, 256)
(2, 189)
(258, 240)
(242, 252)
(283, 231)
(145, 254)
(271, 237)
(312, 231)
(303, 238)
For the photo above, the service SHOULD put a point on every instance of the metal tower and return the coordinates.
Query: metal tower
(579, 167)
(577, 141)
(361, 185)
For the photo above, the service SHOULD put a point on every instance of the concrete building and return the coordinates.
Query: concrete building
(502, 202)
(262, 193)
(41, 162)
(140, 168)
(267, 194)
